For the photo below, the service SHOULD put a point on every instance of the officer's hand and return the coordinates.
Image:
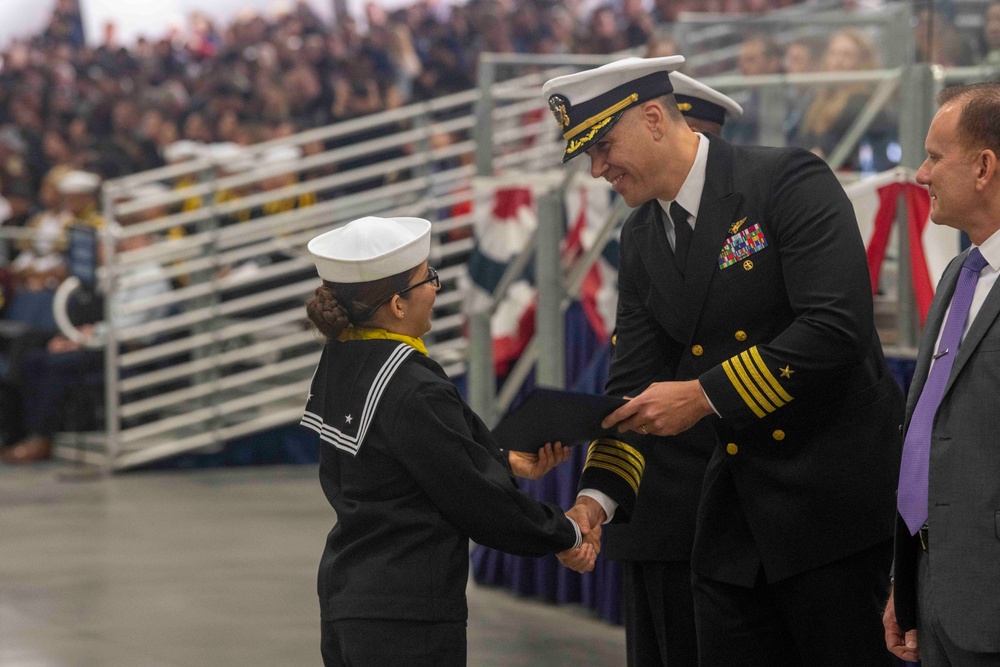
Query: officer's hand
(664, 408)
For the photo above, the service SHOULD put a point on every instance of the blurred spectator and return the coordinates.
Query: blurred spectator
(991, 33)
(938, 41)
(835, 107)
(47, 376)
(802, 56)
(21, 208)
(605, 36)
(637, 22)
(758, 55)
(40, 264)
(666, 11)
(660, 45)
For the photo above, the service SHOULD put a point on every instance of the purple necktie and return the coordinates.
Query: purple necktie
(913, 480)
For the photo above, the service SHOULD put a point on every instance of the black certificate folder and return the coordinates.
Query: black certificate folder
(548, 415)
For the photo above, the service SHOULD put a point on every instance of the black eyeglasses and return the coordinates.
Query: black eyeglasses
(432, 277)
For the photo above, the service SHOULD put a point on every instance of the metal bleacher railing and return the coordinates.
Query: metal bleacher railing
(234, 355)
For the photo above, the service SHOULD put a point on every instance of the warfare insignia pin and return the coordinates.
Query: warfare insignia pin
(735, 227)
(558, 104)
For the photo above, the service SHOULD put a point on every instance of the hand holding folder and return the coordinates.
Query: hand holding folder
(548, 415)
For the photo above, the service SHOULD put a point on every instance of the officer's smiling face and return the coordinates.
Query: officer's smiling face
(621, 157)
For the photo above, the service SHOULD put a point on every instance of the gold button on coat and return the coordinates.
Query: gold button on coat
(741, 335)
(697, 350)
(778, 434)
(731, 448)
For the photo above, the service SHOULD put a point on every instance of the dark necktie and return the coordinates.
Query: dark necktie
(911, 498)
(682, 234)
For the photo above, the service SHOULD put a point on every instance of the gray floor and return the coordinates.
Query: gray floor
(216, 568)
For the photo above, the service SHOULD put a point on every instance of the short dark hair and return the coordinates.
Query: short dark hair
(669, 103)
(979, 121)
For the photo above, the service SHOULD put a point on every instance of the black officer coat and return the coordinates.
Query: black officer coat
(773, 314)
(413, 474)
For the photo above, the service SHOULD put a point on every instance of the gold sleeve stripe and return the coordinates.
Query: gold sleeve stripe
(761, 384)
(625, 448)
(749, 384)
(738, 386)
(619, 458)
(627, 471)
(767, 374)
(631, 482)
(610, 111)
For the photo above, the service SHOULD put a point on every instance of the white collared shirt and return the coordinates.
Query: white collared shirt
(689, 196)
(987, 278)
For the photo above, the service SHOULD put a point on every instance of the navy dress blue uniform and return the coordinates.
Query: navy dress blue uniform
(773, 314)
(770, 310)
(654, 546)
(412, 474)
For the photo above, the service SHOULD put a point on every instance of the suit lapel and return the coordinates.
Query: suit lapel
(716, 213)
(658, 259)
(985, 318)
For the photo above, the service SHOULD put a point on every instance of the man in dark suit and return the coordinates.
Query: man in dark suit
(745, 320)
(945, 608)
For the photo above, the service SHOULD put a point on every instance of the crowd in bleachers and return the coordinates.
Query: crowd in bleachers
(72, 114)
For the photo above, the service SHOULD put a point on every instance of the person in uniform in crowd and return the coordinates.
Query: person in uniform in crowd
(411, 471)
(945, 606)
(745, 324)
(41, 264)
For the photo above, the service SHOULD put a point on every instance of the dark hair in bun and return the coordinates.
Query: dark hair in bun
(335, 306)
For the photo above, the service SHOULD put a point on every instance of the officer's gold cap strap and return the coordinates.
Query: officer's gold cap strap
(610, 111)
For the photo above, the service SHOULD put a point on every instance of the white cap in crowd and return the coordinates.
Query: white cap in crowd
(587, 104)
(371, 248)
(696, 100)
(185, 149)
(147, 190)
(78, 182)
(285, 153)
(224, 152)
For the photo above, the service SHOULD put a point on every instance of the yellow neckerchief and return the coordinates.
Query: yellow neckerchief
(363, 333)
